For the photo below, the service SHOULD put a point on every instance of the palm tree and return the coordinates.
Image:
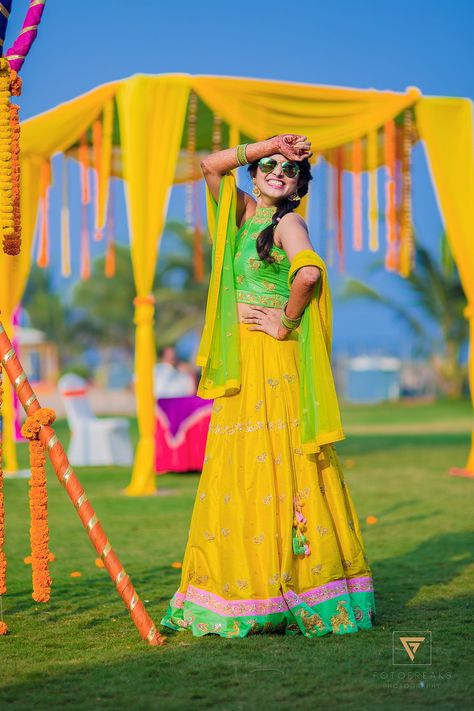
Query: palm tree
(104, 307)
(46, 310)
(438, 295)
(180, 299)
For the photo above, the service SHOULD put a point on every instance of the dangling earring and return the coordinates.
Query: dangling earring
(256, 190)
(294, 197)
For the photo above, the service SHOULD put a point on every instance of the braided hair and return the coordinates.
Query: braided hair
(265, 238)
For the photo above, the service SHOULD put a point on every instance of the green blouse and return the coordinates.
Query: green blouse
(257, 282)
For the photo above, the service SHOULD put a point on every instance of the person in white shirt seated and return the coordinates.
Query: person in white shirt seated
(168, 380)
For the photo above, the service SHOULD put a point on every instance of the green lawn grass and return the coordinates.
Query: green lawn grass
(81, 650)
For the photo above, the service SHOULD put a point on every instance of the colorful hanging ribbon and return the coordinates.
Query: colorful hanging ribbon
(84, 169)
(65, 221)
(357, 194)
(97, 161)
(330, 213)
(407, 252)
(372, 161)
(339, 156)
(109, 230)
(45, 185)
(103, 165)
(85, 270)
(391, 257)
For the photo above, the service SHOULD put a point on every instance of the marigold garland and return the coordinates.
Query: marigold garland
(15, 90)
(39, 533)
(10, 241)
(3, 560)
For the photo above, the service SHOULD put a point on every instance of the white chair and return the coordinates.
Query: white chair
(94, 441)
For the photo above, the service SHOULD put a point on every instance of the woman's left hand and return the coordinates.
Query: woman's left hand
(268, 321)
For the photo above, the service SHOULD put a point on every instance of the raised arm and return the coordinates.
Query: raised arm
(215, 165)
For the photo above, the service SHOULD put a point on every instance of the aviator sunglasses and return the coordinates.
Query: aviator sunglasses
(290, 169)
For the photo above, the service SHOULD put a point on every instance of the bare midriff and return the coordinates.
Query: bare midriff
(245, 310)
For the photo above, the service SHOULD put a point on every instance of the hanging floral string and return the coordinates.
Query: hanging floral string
(65, 220)
(190, 155)
(10, 245)
(398, 190)
(407, 251)
(3, 560)
(45, 185)
(339, 155)
(110, 230)
(97, 162)
(83, 156)
(10, 84)
(372, 160)
(390, 211)
(39, 532)
(85, 268)
(104, 166)
(357, 194)
(330, 221)
(198, 238)
(216, 133)
(192, 216)
(15, 89)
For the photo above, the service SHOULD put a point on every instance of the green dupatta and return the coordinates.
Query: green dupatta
(320, 420)
(219, 349)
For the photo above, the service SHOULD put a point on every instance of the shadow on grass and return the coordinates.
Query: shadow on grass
(177, 672)
(435, 565)
(369, 444)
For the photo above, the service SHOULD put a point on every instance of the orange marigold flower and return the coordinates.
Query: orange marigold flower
(371, 520)
(176, 564)
(76, 574)
(3, 628)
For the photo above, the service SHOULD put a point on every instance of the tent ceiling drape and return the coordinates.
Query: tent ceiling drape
(149, 134)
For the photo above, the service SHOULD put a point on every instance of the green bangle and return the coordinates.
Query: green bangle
(287, 322)
(241, 156)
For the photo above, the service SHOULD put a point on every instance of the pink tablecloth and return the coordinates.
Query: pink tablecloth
(181, 430)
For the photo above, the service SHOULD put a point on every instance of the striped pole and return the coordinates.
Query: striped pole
(17, 52)
(76, 493)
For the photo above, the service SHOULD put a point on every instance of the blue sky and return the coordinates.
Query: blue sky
(366, 44)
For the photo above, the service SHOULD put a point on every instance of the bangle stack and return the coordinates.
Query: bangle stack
(289, 323)
(241, 156)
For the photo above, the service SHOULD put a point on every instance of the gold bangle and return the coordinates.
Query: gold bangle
(241, 155)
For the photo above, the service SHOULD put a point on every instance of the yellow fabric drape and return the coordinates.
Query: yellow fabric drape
(56, 130)
(446, 127)
(151, 114)
(13, 276)
(328, 116)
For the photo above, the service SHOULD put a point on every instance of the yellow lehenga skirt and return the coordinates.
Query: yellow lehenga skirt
(241, 574)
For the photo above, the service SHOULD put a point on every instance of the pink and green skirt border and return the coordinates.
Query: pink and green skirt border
(341, 607)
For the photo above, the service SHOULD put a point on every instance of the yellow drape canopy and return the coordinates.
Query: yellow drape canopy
(151, 112)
